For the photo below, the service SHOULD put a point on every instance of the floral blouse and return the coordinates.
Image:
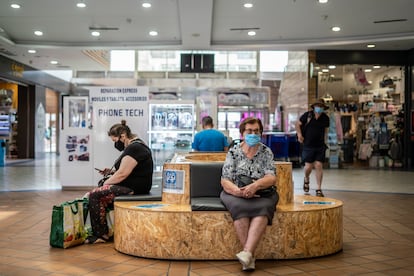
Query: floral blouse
(237, 163)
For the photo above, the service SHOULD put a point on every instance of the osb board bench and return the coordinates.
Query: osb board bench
(172, 229)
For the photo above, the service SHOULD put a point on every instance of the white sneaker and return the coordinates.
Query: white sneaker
(251, 266)
(245, 258)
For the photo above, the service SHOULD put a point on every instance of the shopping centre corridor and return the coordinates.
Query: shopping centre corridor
(378, 229)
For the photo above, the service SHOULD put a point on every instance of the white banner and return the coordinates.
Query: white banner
(111, 105)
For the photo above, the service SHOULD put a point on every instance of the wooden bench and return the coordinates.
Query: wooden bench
(192, 224)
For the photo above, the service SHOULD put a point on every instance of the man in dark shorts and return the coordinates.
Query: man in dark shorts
(312, 130)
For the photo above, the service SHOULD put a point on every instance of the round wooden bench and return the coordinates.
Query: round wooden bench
(303, 226)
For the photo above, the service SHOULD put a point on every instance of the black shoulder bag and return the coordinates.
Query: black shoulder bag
(244, 180)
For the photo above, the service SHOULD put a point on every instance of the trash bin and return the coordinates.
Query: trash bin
(2, 152)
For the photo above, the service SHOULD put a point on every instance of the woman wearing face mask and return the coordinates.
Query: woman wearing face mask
(312, 130)
(132, 175)
(251, 208)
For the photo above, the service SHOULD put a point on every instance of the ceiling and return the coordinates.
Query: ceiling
(195, 25)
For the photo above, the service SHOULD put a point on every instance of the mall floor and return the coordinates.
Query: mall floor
(378, 236)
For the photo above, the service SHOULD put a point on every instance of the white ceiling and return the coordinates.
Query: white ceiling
(196, 25)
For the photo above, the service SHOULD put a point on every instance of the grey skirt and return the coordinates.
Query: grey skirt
(250, 207)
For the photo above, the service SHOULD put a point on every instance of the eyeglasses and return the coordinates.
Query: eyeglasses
(250, 131)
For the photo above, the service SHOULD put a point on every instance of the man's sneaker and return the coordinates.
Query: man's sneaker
(251, 266)
(245, 258)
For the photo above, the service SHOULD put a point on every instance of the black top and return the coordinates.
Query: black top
(314, 130)
(140, 179)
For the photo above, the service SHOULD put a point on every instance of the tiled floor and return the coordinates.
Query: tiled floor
(378, 230)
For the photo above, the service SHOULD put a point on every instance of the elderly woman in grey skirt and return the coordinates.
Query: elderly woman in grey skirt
(249, 193)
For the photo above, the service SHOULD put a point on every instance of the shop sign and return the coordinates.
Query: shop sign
(17, 70)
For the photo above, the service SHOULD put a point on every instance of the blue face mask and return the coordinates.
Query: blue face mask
(252, 139)
(318, 109)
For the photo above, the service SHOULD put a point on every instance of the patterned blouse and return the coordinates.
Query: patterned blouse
(237, 163)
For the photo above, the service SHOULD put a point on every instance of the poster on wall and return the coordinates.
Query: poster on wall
(112, 105)
(75, 144)
(75, 113)
(76, 148)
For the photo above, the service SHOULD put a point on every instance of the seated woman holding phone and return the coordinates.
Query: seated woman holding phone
(131, 174)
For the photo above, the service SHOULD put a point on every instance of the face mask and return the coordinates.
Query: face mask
(252, 139)
(119, 145)
(318, 109)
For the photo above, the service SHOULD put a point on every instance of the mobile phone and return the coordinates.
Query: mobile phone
(98, 170)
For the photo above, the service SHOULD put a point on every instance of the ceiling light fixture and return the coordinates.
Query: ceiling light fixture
(54, 62)
(15, 6)
(248, 5)
(95, 33)
(251, 33)
(376, 67)
(153, 33)
(371, 46)
(367, 70)
(331, 66)
(81, 4)
(323, 1)
(38, 33)
(146, 4)
(31, 51)
(336, 29)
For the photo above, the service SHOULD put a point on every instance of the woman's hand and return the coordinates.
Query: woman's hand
(248, 191)
(105, 171)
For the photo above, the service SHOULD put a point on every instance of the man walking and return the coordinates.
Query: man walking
(312, 130)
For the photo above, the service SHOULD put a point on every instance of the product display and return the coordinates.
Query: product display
(171, 129)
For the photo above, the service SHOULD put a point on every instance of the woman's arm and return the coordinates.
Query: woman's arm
(231, 188)
(265, 182)
(127, 165)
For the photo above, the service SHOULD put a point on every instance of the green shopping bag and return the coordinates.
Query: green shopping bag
(68, 223)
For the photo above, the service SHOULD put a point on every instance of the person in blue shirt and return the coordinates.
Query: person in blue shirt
(209, 139)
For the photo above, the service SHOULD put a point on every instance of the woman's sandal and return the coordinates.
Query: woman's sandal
(95, 240)
(306, 185)
(319, 193)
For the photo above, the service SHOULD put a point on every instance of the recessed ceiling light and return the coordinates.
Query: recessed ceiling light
(331, 66)
(367, 70)
(376, 67)
(146, 5)
(248, 5)
(54, 62)
(371, 46)
(336, 29)
(81, 5)
(31, 51)
(153, 33)
(325, 70)
(38, 33)
(323, 1)
(15, 6)
(251, 33)
(95, 33)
